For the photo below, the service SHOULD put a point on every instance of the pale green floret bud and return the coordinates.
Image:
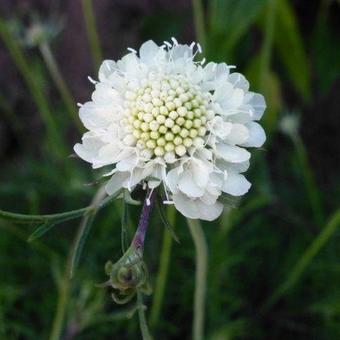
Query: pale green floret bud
(180, 121)
(197, 123)
(169, 123)
(137, 124)
(188, 106)
(161, 141)
(160, 119)
(176, 129)
(178, 102)
(163, 129)
(145, 136)
(144, 127)
(187, 142)
(163, 110)
(182, 111)
(148, 107)
(159, 151)
(155, 111)
(173, 115)
(180, 150)
(151, 144)
(148, 117)
(188, 124)
(190, 115)
(140, 144)
(154, 134)
(129, 140)
(154, 126)
(170, 105)
(169, 147)
(202, 131)
(193, 133)
(169, 136)
(178, 140)
(184, 133)
(136, 133)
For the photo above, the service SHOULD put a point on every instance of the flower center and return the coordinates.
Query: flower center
(166, 116)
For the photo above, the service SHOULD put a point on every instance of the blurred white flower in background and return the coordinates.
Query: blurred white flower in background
(163, 119)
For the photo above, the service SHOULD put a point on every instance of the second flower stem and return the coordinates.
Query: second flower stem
(201, 250)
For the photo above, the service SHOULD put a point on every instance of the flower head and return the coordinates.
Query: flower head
(161, 118)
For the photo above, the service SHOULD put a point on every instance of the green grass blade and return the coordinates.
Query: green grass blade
(56, 141)
(295, 274)
(291, 50)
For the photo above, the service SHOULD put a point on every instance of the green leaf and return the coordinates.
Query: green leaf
(291, 51)
(165, 220)
(23, 218)
(40, 231)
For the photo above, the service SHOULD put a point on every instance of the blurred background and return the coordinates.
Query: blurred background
(274, 270)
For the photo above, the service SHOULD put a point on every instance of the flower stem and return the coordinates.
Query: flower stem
(163, 270)
(201, 249)
(56, 76)
(138, 239)
(92, 32)
(142, 320)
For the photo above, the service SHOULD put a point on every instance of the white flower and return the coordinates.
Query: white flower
(161, 118)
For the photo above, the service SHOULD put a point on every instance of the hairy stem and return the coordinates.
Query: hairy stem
(138, 239)
(163, 271)
(201, 249)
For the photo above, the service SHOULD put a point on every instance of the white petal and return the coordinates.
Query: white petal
(116, 182)
(257, 136)
(172, 180)
(89, 149)
(148, 51)
(106, 69)
(233, 154)
(105, 94)
(209, 212)
(188, 186)
(239, 81)
(95, 116)
(186, 206)
(238, 134)
(236, 184)
(258, 103)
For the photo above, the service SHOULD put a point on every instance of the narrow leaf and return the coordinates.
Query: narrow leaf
(40, 231)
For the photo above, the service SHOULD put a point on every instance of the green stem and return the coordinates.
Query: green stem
(163, 271)
(59, 81)
(63, 296)
(55, 139)
(92, 34)
(306, 258)
(142, 320)
(198, 13)
(201, 249)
